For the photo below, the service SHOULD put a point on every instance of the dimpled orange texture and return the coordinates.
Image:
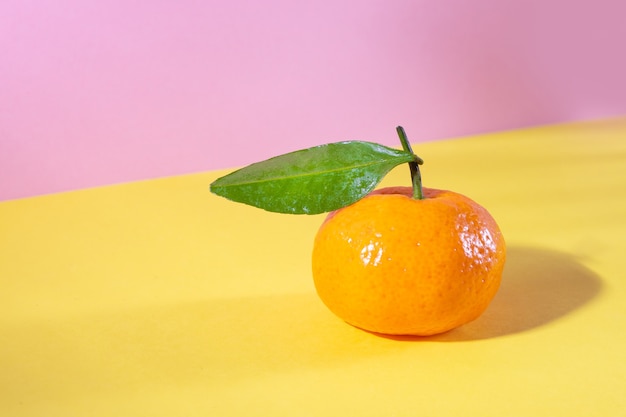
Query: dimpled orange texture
(395, 265)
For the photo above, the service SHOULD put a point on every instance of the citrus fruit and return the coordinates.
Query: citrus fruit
(400, 260)
(397, 265)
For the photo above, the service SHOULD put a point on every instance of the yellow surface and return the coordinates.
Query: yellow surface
(157, 298)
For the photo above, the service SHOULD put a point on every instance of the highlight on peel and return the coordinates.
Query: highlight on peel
(396, 265)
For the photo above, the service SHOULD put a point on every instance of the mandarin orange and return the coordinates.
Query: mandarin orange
(396, 265)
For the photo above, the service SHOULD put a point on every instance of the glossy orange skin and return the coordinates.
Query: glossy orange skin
(396, 265)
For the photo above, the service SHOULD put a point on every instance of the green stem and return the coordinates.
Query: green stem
(414, 166)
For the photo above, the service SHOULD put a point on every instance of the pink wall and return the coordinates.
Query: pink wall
(99, 92)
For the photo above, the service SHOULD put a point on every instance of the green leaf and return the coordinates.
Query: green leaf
(314, 180)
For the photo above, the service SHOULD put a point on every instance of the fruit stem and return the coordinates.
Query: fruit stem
(414, 166)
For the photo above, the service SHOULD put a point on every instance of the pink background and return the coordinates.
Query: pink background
(100, 92)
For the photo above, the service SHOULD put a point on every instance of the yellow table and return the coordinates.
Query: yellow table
(157, 298)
